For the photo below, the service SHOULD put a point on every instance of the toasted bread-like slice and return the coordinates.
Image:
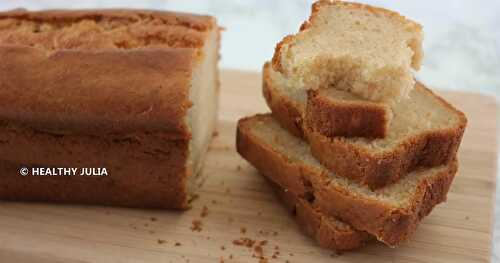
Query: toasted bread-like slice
(329, 232)
(358, 48)
(425, 131)
(391, 213)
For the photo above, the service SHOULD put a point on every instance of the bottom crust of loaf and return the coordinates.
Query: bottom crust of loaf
(130, 185)
(327, 231)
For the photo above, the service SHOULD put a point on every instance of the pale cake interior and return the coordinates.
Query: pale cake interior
(202, 116)
(366, 51)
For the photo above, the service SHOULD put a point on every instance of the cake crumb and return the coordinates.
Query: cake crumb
(153, 219)
(214, 202)
(161, 241)
(238, 168)
(194, 197)
(231, 256)
(259, 251)
(204, 211)
(247, 242)
(177, 244)
(268, 233)
(243, 230)
(215, 134)
(151, 232)
(466, 217)
(222, 248)
(197, 226)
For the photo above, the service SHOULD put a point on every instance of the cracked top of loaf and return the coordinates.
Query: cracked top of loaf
(103, 29)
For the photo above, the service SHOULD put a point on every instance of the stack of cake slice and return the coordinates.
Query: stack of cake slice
(355, 146)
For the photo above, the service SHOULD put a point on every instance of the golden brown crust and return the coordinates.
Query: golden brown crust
(284, 110)
(155, 164)
(427, 149)
(389, 223)
(106, 29)
(197, 22)
(144, 88)
(316, 7)
(347, 118)
(328, 231)
(138, 90)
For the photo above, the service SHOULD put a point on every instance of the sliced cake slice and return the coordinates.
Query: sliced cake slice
(365, 50)
(329, 232)
(391, 214)
(425, 131)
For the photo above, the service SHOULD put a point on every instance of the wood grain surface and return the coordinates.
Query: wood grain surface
(240, 204)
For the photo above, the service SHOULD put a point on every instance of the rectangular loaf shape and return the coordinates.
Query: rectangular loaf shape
(132, 91)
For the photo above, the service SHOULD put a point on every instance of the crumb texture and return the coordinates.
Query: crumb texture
(361, 49)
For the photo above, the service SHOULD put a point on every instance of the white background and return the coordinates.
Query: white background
(462, 37)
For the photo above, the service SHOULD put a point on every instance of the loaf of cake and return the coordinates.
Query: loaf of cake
(131, 92)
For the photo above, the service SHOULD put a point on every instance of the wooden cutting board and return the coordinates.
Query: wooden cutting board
(241, 205)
